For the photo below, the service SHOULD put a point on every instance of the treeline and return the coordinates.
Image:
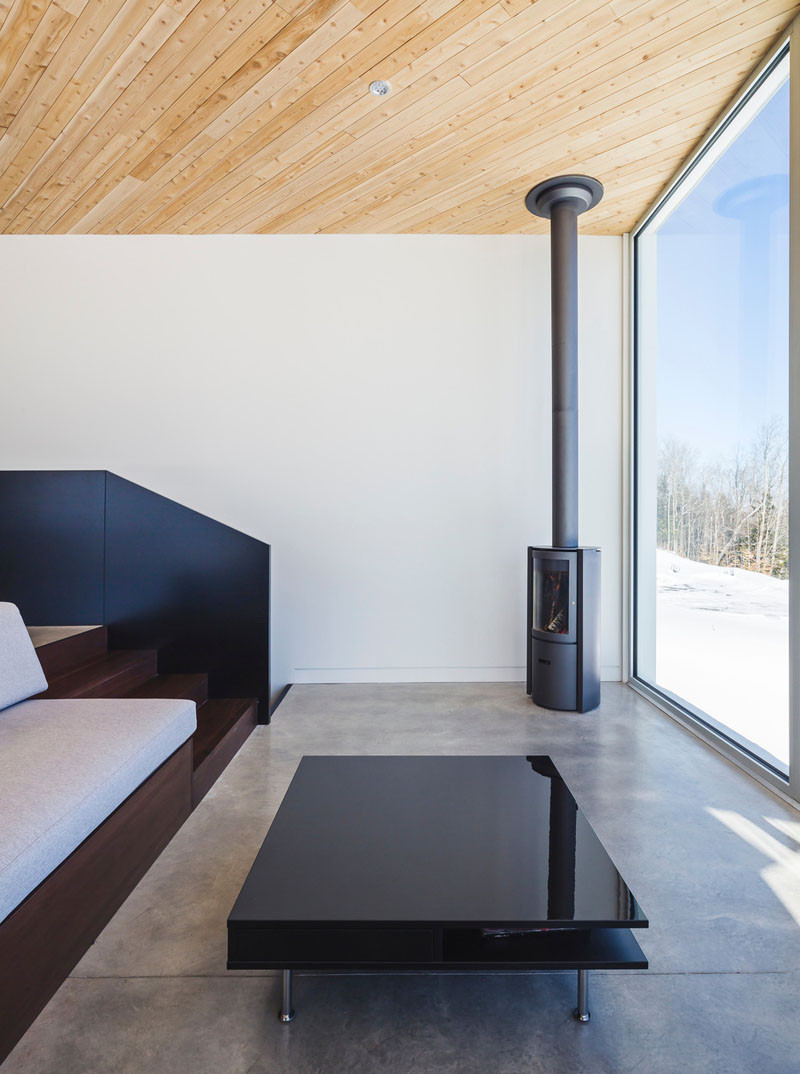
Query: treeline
(733, 515)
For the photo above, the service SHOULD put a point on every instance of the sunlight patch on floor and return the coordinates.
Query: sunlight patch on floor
(782, 876)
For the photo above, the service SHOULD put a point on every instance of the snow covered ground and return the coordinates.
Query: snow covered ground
(722, 643)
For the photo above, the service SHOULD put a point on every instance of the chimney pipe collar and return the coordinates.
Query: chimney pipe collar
(582, 190)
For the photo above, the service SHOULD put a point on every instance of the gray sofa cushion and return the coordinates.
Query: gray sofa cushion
(65, 765)
(21, 673)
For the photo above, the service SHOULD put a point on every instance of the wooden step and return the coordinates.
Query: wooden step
(223, 725)
(192, 687)
(112, 675)
(57, 657)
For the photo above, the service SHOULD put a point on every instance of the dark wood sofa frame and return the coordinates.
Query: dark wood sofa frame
(43, 939)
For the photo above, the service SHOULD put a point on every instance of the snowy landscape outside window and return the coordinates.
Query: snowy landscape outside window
(712, 544)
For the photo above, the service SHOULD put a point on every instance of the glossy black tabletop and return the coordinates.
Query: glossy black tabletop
(470, 841)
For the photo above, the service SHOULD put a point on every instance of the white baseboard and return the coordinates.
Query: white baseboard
(610, 673)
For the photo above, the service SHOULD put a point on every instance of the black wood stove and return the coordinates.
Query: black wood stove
(563, 635)
(563, 628)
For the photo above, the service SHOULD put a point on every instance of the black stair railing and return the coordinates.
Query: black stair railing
(81, 547)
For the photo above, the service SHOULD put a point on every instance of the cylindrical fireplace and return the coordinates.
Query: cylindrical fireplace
(564, 581)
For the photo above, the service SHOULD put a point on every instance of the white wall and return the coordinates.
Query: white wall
(376, 407)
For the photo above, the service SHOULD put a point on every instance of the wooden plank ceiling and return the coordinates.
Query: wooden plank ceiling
(201, 116)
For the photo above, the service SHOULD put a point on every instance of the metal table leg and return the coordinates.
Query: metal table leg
(286, 1014)
(581, 1012)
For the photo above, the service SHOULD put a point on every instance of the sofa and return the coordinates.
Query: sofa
(90, 793)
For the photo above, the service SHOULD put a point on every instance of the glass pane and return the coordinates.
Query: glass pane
(551, 596)
(712, 442)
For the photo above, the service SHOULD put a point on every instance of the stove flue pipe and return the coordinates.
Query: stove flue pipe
(562, 200)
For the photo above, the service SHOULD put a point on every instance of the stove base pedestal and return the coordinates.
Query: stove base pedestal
(555, 675)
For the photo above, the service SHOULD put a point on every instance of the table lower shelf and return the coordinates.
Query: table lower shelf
(430, 949)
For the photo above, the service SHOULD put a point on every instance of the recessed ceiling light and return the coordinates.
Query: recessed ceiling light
(380, 88)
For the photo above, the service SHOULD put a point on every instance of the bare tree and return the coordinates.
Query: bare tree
(734, 514)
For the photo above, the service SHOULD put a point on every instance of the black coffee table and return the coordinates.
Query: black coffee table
(433, 864)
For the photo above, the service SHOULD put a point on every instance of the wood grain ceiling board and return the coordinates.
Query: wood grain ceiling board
(254, 116)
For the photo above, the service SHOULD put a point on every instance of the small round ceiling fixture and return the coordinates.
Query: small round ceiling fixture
(380, 88)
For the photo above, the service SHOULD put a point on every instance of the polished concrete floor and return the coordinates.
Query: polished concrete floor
(713, 858)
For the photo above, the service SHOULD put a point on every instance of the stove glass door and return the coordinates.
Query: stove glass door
(551, 603)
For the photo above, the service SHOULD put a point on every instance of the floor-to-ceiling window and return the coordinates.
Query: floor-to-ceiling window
(712, 432)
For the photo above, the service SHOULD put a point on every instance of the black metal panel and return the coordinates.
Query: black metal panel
(192, 587)
(529, 627)
(554, 675)
(51, 544)
(589, 630)
(80, 547)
